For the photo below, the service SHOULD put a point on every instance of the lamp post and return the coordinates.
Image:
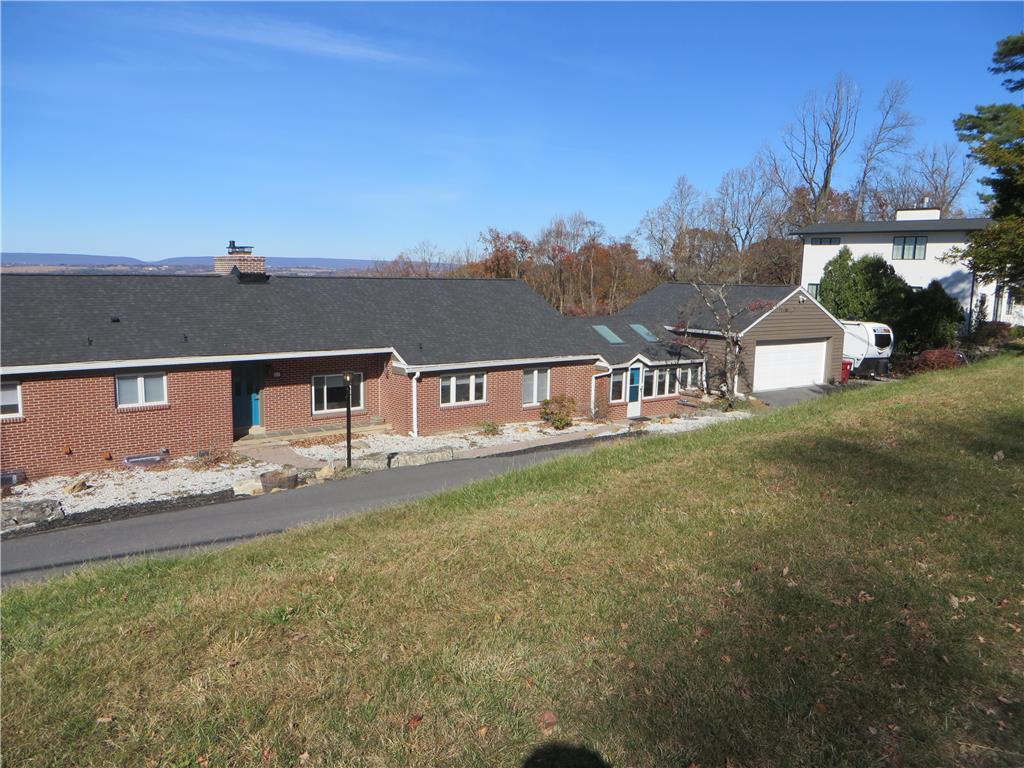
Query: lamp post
(348, 419)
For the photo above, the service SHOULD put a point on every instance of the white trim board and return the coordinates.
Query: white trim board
(160, 362)
(513, 363)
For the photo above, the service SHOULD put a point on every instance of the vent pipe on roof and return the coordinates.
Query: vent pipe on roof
(239, 257)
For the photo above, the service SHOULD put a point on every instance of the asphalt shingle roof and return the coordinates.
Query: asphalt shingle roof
(676, 304)
(666, 349)
(50, 319)
(916, 225)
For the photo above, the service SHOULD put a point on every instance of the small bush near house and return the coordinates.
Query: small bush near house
(489, 428)
(935, 360)
(992, 333)
(557, 411)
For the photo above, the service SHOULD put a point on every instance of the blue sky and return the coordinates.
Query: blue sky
(350, 130)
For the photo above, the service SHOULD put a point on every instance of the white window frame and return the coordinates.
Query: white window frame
(332, 411)
(535, 373)
(472, 388)
(141, 389)
(21, 409)
(622, 374)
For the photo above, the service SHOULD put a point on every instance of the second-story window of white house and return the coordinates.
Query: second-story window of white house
(141, 389)
(463, 388)
(909, 248)
(824, 241)
(536, 385)
(10, 400)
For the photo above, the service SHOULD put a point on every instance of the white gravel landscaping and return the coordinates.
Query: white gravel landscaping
(115, 487)
(511, 434)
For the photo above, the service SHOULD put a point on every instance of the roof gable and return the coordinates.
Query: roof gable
(681, 305)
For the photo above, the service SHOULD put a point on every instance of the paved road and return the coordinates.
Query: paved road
(45, 554)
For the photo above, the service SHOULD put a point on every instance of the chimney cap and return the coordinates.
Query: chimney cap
(232, 248)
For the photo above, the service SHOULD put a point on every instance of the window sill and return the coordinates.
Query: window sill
(12, 419)
(464, 405)
(336, 414)
(140, 408)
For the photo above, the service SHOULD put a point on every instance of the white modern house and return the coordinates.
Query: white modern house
(914, 244)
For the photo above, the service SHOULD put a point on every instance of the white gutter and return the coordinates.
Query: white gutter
(159, 362)
(415, 379)
(493, 363)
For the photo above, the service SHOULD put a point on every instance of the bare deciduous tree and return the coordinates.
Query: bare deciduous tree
(892, 135)
(814, 144)
(937, 174)
(745, 208)
(667, 231)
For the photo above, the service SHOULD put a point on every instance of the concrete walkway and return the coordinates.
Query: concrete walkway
(278, 453)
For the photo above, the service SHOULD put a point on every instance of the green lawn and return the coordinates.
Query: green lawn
(840, 583)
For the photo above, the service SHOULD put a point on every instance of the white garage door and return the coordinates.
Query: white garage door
(778, 365)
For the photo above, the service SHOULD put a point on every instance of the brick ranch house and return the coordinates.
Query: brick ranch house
(96, 369)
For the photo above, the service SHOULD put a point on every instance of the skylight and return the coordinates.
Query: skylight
(608, 334)
(643, 332)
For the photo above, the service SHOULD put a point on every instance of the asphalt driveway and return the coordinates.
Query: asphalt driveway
(38, 556)
(780, 398)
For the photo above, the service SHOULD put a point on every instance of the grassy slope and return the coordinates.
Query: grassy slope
(639, 592)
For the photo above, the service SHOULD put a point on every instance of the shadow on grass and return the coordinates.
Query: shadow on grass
(559, 755)
(853, 655)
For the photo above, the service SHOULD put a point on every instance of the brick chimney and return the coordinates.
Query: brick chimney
(240, 256)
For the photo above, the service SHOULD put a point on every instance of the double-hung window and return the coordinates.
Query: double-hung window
(10, 400)
(536, 385)
(617, 393)
(650, 382)
(329, 392)
(138, 389)
(909, 248)
(463, 388)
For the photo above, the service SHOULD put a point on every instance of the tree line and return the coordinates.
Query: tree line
(738, 232)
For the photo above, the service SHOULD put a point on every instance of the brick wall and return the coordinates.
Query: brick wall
(288, 397)
(504, 398)
(396, 399)
(78, 413)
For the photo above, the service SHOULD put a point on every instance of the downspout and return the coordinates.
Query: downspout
(415, 379)
(736, 378)
(970, 306)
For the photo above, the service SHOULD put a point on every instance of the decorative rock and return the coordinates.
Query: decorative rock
(326, 472)
(249, 487)
(78, 486)
(416, 458)
(21, 512)
(285, 479)
(371, 461)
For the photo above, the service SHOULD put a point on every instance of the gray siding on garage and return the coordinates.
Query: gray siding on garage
(793, 321)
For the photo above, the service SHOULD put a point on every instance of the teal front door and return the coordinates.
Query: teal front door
(246, 383)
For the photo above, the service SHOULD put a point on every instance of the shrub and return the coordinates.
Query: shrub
(489, 428)
(937, 359)
(557, 411)
(991, 333)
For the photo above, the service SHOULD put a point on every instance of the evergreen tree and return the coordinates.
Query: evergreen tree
(841, 290)
(995, 133)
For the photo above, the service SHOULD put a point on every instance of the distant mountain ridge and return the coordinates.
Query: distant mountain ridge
(90, 260)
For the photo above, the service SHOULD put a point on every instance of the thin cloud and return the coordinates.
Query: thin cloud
(306, 39)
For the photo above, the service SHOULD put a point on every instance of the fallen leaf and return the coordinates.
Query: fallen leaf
(954, 602)
(785, 571)
(330, 579)
(233, 663)
(304, 757)
(738, 586)
(413, 722)
(548, 720)
(203, 760)
(482, 731)
(998, 456)
(820, 707)
(726, 659)
(105, 719)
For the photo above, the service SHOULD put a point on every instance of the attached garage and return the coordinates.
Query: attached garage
(785, 364)
(784, 338)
